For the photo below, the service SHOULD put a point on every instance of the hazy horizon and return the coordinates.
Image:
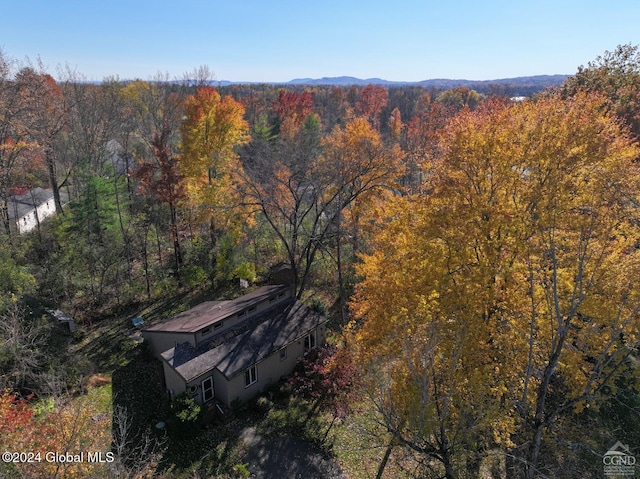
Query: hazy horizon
(250, 41)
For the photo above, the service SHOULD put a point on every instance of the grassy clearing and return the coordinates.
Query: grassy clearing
(355, 449)
(359, 445)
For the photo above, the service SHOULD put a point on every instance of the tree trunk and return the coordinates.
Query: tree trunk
(144, 245)
(177, 253)
(540, 419)
(385, 459)
(4, 214)
(158, 244)
(53, 180)
(326, 434)
(341, 297)
(446, 454)
(534, 453)
(35, 213)
(123, 232)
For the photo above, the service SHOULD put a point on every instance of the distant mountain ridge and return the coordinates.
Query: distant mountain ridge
(536, 80)
(343, 81)
(554, 80)
(518, 86)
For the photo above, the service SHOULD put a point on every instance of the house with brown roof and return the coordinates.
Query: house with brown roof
(228, 350)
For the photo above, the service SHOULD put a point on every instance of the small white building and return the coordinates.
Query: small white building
(27, 210)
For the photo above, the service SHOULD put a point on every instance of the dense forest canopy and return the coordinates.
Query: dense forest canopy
(477, 253)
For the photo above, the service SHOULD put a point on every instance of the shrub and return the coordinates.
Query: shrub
(193, 276)
(186, 414)
(318, 306)
(245, 270)
(241, 470)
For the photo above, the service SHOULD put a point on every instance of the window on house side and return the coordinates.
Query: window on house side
(283, 354)
(206, 331)
(310, 341)
(218, 325)
(250, 376)
(207, 389)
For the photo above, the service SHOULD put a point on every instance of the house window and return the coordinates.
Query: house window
(252, 309)
(241, 314)
(206, 331)
(207, 389)
(218, 325)
(310, 341)
(250, 376)
(283, 354)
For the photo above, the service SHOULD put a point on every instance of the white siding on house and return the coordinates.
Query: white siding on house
(220, 392)
(25, 216)
(29, 222)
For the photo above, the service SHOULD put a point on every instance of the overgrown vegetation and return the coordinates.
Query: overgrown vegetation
(477, 258)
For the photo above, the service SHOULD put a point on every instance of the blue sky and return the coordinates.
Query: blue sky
(280, 40)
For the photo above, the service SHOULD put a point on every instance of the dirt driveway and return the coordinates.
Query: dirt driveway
(286, 457)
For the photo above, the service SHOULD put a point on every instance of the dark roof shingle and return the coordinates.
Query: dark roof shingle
(266, 333)
(210, 312)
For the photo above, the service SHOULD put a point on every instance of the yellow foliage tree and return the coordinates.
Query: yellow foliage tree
(505, 297)
(363, 172)
(212, 129)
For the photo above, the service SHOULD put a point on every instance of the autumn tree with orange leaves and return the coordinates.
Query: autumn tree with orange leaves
(304, 196)
(56, 443)
(505, 299)
(13, 139)
(419, 141)
(365, 171)
(45, 113)
(212, 129)
(373, 98)
(292, 108)
(161, 180)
